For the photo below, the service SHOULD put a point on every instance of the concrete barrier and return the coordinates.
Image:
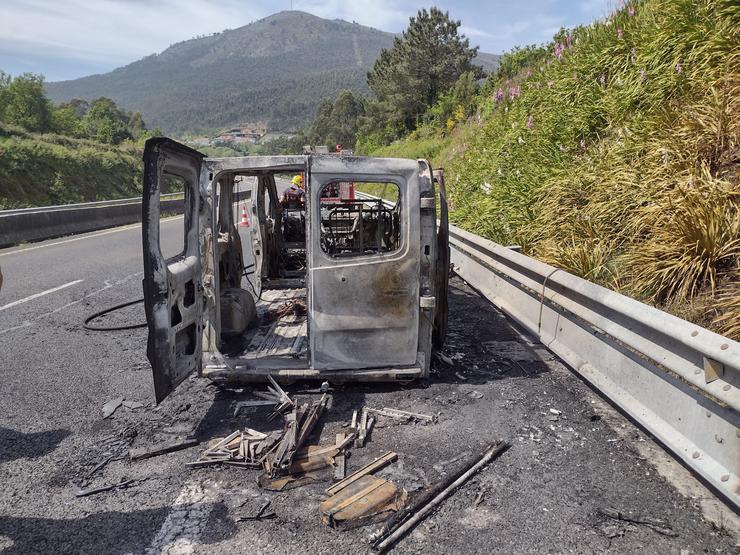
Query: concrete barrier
(36, 224)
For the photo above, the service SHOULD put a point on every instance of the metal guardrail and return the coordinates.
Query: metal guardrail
(46, 222)
(96, 204)
(678, 380)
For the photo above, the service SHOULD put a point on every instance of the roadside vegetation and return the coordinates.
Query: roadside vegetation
(611, 152)
(74, 152)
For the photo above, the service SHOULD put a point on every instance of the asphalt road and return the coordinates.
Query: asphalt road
(542, 495)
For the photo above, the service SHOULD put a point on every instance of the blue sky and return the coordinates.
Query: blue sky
(66, 39)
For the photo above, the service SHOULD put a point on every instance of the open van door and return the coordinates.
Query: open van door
(443, 265)
(173, 296)
(364, 264)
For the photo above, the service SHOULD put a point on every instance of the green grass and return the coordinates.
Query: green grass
(617, 159)
(45, 169)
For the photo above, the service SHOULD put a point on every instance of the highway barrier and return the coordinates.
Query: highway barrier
(46, 222)
(677, 380)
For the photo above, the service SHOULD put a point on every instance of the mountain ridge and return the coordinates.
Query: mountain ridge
(209, 82)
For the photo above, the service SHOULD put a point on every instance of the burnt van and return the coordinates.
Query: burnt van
(348, 284)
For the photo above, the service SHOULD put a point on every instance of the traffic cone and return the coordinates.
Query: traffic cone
(245, 221)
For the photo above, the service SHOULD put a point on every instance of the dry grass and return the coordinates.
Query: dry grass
(620, 162)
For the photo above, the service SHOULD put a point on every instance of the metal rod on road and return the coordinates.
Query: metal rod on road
(492, 452)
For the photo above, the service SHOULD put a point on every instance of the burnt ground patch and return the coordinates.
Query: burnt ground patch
(543, 495)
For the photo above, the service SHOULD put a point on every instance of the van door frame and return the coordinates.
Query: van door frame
(172, 286)
(364, 311)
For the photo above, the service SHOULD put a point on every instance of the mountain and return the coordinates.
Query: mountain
(274, 70)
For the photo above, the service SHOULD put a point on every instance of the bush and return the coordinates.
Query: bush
(45, 169)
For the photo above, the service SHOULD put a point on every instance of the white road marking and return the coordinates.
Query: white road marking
(91, 236)
(107, 285)
(184, 524)
(37, 295)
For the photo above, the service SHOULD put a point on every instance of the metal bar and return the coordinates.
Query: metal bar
(96, 204)
(668, 340)
(100, 203)
(649, 363)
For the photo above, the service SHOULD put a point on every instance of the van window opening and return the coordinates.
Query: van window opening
(173, 246)
(361, 224)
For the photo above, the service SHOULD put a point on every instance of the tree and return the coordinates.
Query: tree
(457, 104)
(424, 62)
(65, 121)
(136, 125)
(78, 105)
(337, 122)
(23, 102)
(105, 122)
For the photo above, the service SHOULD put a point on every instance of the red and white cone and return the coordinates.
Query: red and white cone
(245, 221)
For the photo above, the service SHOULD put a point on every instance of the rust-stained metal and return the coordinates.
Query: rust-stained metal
(369, 316)
(365, 501)
(377, 464)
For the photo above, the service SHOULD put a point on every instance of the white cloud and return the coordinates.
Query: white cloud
(117, 31)
(596, 7)
(472, 32)
(380, 14)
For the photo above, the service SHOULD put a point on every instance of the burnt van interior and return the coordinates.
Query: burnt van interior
(263, 261)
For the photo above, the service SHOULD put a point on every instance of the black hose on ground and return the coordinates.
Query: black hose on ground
(108, 310)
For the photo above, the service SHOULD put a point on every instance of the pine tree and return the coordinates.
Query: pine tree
(424, 62)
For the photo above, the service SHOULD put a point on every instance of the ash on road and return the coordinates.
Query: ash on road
(542, 495)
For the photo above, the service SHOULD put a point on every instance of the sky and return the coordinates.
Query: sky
(66, 39)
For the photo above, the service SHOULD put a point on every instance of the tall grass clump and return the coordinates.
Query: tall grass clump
(614, 153)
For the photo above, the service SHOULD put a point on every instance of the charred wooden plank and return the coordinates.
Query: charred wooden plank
(161, 448)
(377, 464)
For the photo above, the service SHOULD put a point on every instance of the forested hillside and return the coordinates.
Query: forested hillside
(44, 169)
(74, 152)
(274, 70)
(614, 153)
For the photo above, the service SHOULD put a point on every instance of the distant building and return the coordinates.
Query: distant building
(243, 134)
(201, 141)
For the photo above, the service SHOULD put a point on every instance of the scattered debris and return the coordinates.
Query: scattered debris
(362, 430)
(377, 464)
(296, 307)
(360, 498)
(261, 514)
(161, 448)
(363, 501)
(276, 394)
(556, 412)
(99, 466)
(475, 394)
(658, 525)
(444, 358)
(402, 521)
(479, 497)
(111, 406)
(93, 491)
(306, 467)
(133, 405)
(299, 424)
(340, 461)
(460, 376)
(403, 415)
(245, 404)
(240, 448)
